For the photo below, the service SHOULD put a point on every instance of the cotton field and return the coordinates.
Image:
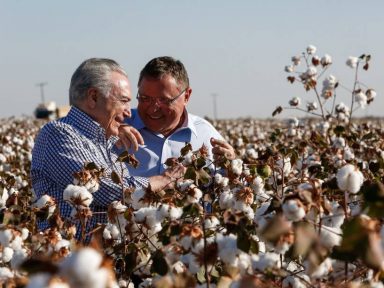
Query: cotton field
(300, 206)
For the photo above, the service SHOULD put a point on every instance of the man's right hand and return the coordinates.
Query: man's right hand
(130, 137)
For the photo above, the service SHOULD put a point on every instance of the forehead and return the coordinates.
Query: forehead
(120, 81)
(165, 83)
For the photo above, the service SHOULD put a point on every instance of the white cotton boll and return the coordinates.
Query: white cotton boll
(3, 198)
(330, 82)
(179, 267)
(311, 49)
(24, 233)
(39, 280)
(322, 270)
(285, 165)
(227, 245)
(186, 242)
(92, 185)
(349, 178)
(295, 101)
(252, 153)
(361, 99)
(265, 261)
(293, 210)
(7, 254)
(296, 60)
(237, 166)
(226, 200)
(69, 192)
(239, 142)
(163, 211)
(194, 195)
(211, 222)
(136, 197)
(17, 243)
(3, 159)
(175, 213)
(221, 180)
(289, 68)
(5, 274)
(63, 243)
(296, 282)
(326, 60)
(86, 197)
(190, 260)
(188, 158)
(82, 266)
(371, 94)
(258, 185)
(352, 61)
(312, 106)
(348, 154)
(338, 142)
(243, 261)
(184, 185)
(311, 71)
(18, 257)
(5, 237)
(293, 122)
(330, 236)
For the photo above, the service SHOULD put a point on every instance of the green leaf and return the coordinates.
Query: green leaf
(115, 178)
(338, 130)
(201, 275)
(184, 151)
(190, 173)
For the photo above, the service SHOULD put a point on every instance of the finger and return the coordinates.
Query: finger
(133, 141)
(221, 143)
(139, 138)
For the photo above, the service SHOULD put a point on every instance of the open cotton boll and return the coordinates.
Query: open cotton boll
(5, 274)
(136, 197)
(226, 200)
(184, 185)
(349, 178)
(111, 231)
(266, 261)
(82, 269)
(7, 254)
(237, 166)
(5, 237)
(18, 258)
(221, 180)
(293, 210)
(330, 236)
(211, 222)
(299, 281)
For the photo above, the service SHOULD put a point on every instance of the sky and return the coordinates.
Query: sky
(235, 51)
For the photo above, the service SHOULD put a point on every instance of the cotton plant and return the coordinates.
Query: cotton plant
(309, 69)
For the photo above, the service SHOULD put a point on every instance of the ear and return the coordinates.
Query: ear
(92, 97)
(187, 95)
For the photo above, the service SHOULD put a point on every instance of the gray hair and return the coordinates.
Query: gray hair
(92, 73)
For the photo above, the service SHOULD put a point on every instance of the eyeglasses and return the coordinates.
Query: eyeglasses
(162, 100)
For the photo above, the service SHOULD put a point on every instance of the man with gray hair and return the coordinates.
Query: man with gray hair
(100, 96)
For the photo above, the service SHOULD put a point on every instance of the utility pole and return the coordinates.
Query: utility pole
(214, 96)
(41, 85)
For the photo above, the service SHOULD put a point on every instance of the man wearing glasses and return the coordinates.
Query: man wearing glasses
(100, 96)
(161, 123)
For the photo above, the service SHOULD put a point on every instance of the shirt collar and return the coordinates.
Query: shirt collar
(82, 121)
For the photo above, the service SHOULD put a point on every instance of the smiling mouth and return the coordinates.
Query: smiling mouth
(154, 117)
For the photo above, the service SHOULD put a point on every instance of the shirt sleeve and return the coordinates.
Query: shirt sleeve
(62, 152)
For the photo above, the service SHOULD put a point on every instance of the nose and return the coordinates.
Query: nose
(127, 112)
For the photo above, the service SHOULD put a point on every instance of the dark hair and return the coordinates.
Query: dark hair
(159, 67)
(94, 72)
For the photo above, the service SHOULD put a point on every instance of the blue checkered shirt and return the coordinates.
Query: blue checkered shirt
(62, 148)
